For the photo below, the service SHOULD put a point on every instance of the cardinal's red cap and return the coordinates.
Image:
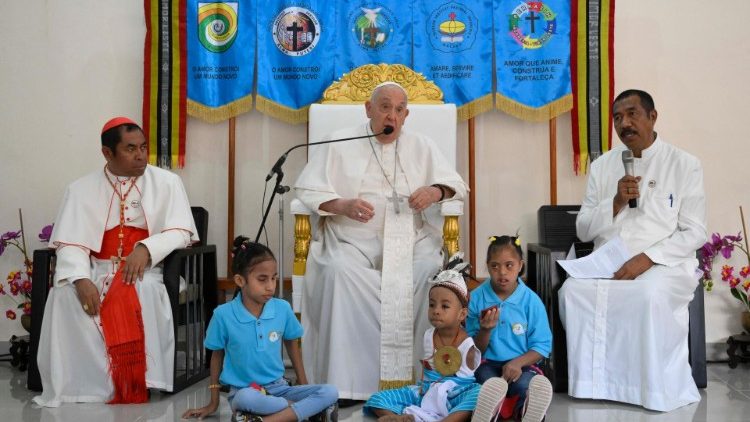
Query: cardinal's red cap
(117, 121)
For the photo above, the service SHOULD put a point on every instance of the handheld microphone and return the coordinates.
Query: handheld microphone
(628, 162)
(387, 130)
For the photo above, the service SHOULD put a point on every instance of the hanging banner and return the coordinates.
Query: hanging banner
(164, 85)
(221, 58)
(592, 70)
(295, 57)
(372, 32)
(532, 44)
(453, 48)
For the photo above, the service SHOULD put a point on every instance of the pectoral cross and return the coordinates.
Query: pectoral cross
(117, 259)
(395, 200)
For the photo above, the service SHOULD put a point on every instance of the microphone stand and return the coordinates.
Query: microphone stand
(281, 190)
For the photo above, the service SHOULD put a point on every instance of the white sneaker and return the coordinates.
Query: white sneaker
(490, 398)
(538, 398)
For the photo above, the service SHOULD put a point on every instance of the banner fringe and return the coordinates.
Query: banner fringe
(393, 384)
(531, 114)
(583, 163)
(219, 114)
(281, 112)
(474, 108)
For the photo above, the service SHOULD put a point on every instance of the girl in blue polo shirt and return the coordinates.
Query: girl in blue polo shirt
(245, 336)
(510, 327)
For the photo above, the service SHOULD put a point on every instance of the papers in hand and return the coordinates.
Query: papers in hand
(602, 263)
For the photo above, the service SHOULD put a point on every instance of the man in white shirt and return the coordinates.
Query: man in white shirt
(627, 337)
(364, 291)
(107, 331)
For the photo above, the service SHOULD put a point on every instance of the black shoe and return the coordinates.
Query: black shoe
(330, 414)
(245, 417)
(344, 403)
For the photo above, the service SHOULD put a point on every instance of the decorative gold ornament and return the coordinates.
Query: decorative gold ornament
(356, 86)
(447, 360)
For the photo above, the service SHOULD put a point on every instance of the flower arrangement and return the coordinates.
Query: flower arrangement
(725, 246)
(19, 280)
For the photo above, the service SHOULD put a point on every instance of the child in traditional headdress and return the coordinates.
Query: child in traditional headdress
(509, 324)
(447, 391)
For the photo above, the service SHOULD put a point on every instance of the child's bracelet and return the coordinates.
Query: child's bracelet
(213, 386)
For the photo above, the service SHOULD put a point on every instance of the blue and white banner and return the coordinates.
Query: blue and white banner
(220, 58)
(532, 40)
(295, 56)
(453, 48)
(372, 32)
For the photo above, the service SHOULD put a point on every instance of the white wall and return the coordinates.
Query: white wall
(65, 70)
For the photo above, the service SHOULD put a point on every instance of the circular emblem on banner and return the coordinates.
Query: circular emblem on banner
(452, 27)
(296, 31)
(372, 28)
(217, 25)
(532, 24)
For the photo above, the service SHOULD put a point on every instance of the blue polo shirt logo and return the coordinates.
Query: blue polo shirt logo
(273, 336)
(518, 329)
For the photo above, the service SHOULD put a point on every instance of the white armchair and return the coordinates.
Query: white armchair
(342, 107)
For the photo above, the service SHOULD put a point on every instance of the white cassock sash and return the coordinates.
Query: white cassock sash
(396, 298)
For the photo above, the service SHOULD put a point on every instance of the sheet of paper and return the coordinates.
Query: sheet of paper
(602, 263)
(571, 252)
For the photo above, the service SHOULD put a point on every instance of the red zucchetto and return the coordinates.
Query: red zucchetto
(117, 121)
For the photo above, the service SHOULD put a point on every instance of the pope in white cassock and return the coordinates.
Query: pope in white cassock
(107, 335)
(365, 284)
(627, 337)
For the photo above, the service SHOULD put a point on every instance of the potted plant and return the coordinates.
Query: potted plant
(17, 284)
(738, 281)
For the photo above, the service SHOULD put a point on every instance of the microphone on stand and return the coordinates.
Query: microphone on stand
(280, 162)
(276, 169)
(628, 163)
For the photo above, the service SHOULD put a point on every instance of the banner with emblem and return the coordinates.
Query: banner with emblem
(592, 69)
(453, 48)
(221, 58)
(164, 91)
(532, 42)
(295, 56)
(372, 32)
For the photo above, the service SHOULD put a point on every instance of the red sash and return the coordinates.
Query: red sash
(122, 323)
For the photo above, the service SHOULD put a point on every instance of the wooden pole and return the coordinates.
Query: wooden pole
(472, 201)
(230, 194)
(553, 161)
(225, 285)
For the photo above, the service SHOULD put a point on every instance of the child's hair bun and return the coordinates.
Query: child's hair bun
(239, 240)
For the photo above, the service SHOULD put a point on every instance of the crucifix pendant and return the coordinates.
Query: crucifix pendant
(395, 200)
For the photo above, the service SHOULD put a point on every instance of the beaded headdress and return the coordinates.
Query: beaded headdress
(452, 277)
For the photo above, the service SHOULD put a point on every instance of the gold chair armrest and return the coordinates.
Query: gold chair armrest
(451, 234)
(302, 236)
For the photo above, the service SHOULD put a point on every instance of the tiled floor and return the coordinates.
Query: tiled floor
(727, 398)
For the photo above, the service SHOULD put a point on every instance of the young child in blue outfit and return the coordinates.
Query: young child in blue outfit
(245, 336)
(510, 326)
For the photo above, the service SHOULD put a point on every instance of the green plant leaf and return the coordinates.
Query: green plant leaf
(736, 294)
